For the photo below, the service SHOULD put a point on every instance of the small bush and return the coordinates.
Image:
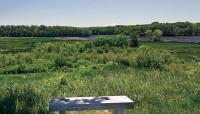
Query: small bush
(121, 41)
(156, 35)
(133, 40)
(152, 58)
(118, 41)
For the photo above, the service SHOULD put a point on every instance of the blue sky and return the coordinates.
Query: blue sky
(97, 12)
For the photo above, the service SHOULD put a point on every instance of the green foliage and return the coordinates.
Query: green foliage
(6, 60)
(197, 61)
(21, 99)
(151, 58)
(22, 68)
(156, 35)
(21, 58)
(133, 40)
(60, 61)
(169, 29)
(152, 77)
(124, 62)
(42, 31)
(118, 41)
(148, 33)
(103, 49)
(24, 58)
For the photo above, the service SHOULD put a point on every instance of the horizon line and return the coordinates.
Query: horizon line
(194, 22)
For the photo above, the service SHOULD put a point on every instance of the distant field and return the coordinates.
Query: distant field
(23, 44)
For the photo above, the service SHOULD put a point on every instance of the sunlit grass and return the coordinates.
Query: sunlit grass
(172, 88)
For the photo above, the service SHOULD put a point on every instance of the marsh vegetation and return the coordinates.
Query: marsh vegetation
(154, 75)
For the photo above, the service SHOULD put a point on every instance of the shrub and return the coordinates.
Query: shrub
(117, 41)
(60, 61)
(152, 58)
(133, 40)
(100, 50)
(148, 33)
(121, 41)
(156, 35)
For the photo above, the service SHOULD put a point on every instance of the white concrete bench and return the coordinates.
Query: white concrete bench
(115, 103)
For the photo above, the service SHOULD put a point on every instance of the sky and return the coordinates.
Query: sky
(84, 13)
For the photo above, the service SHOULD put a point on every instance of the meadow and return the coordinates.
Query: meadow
(161, 77)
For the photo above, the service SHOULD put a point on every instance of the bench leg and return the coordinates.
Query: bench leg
(62, 112)
(118, 111)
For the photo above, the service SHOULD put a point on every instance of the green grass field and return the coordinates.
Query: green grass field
(160, 78)
(22, 44)
(183, 50)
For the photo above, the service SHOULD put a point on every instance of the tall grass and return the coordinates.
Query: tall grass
(155, 79)
(22, 99)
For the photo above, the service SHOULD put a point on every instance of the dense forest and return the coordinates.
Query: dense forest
(168, 29)
(42, 31)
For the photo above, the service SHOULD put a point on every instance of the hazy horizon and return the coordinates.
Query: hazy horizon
(90, 13)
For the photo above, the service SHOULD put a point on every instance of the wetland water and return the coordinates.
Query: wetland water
(145, 39)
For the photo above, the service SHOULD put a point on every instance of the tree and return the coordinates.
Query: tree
(133, 40)
(148, 33)
(196, 30)
(156, 35)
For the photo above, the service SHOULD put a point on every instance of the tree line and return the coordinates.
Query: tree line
(167, 29)
(42, 31)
